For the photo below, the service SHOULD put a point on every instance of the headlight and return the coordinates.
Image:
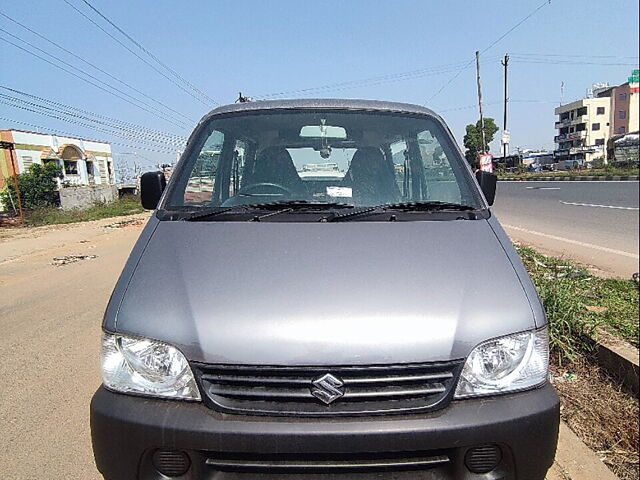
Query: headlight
(146, 367)
(506, 364)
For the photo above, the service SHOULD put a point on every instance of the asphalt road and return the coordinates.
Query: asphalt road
(594, 223)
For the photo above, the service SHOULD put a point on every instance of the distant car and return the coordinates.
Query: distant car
(368, 320)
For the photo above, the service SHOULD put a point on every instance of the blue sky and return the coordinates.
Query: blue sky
(261, 47)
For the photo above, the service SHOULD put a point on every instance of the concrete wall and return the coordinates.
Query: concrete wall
(85, 196)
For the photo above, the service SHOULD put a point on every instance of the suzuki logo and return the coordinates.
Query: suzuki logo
(327, 388)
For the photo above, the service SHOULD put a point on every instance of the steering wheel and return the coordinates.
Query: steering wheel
(268, 190)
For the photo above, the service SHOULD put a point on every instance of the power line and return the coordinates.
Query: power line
(129, 133)
(82, 124)
(161, 116)
(157, 60)
(94, 66)
(136, 55)
(93, 114)
(371, 81)
(572, 56)
(519, 59)
(543, 4)
(75, 135)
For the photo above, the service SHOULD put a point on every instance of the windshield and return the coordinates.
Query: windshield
(353, 158)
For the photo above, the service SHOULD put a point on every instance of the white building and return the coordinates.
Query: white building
(583, 130)
(83, 162)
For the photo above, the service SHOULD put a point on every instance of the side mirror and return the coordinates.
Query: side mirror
(487, 182)
(151, 187)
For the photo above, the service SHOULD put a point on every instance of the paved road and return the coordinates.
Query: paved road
(50, 322)
(595, 223)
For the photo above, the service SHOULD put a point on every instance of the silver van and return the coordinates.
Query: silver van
(323, 293)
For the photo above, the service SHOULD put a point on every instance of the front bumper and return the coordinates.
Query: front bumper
(127, 430)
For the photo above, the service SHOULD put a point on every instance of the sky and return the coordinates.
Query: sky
(415, 51)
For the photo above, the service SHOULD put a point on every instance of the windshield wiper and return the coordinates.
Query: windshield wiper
(291, 205)
(299, 205)
(426, 206)
(279, 207)
(208, 212)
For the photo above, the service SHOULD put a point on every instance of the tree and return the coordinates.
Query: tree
(473, 139)
(38, 187)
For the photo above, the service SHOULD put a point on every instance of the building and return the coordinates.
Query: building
(583, 130)
(83, 162)
(585, 126)
(624, 101)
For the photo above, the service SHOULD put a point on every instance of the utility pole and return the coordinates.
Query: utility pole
(505, 142)
(484, 143)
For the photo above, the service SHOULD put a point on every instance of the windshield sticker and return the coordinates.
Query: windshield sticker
(343, 192)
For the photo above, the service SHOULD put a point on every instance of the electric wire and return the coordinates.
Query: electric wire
(371, 81)
(100, 119)
(126, 131)
(155, 58)
(492, 44)
(82, 124)
(113, 77)
(166, 119)
(96, 115)
(74, 135)
(84, 15)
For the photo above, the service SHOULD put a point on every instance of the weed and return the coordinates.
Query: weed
(577, 302)
(126, 205)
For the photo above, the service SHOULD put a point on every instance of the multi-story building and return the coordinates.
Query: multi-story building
(624, 100)
(83, 162)
(583, 130)
(585, 126)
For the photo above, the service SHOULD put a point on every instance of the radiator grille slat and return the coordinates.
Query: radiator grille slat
(351, 390)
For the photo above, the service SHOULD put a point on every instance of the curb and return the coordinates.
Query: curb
(619, 359)
(582, 178)
(577, 461)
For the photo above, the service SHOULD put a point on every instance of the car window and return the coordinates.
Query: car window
(201, 180)
(358, 158)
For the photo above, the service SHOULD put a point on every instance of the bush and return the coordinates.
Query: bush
(38, 187)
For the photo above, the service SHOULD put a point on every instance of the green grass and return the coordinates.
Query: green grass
(577, 303)
(592, 172)
(126, 205)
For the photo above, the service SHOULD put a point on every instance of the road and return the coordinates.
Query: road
(50, 322)
(593, 223)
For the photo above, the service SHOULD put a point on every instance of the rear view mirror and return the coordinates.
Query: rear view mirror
(151, 187)
(487, 182)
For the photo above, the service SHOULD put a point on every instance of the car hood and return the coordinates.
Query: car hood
(358, 293)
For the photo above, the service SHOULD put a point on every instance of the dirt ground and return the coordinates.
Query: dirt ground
(50, 322)
(55, 284)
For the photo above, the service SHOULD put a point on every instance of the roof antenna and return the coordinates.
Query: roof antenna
(242, 98)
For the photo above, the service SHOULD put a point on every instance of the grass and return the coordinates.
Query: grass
(593, 404)
(577, 303)
(591, 172)
(126, 205)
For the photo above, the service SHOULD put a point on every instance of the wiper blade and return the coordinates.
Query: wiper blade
(291, 205)
(426, 206)
(349, 215)
(299, 205)
(280, 207)
(213, 212)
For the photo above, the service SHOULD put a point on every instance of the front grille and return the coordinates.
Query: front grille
(327, 463)
(319, 391)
